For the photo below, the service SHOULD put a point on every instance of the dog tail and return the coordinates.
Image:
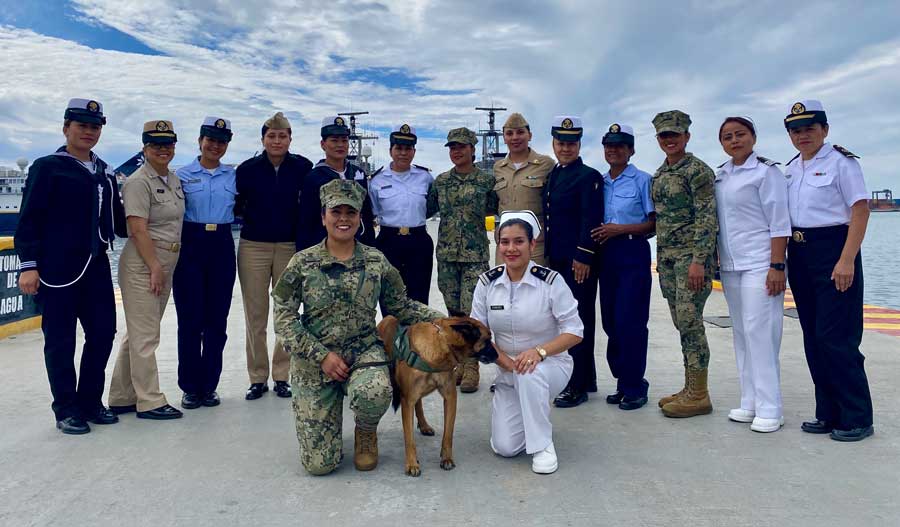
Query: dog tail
(395, 388)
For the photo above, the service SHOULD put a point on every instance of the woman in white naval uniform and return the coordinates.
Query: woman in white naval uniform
(534, 319)
(754, 225)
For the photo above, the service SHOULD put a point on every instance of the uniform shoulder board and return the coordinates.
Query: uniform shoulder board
(845, 152)
(723, 164)
(793, 158)
(423, 168)
(489, 276)
(545, 274)
(767, 161)
(377, 171)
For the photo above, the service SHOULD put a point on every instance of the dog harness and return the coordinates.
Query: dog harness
(403, 352)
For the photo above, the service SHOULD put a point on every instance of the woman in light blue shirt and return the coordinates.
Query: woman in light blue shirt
(204, 276)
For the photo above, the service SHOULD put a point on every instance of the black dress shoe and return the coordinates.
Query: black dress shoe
(816, 427)
(632, 403)
(210, 399)
(854, 434)
(282, 389)
(615, 398)
(73, 426)
(570, 398)
(256, 390)
(104, 416)
(127, 409)
(190, 401)
(161, 414)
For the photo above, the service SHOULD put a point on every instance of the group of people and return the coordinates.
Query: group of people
(565, 232)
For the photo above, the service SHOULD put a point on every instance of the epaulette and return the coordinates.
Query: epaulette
(767, 161)
(377, 171)
(489, 276)
(793, 158)
(845, 152)
(423, 168)
(723, 164)
(545, 274)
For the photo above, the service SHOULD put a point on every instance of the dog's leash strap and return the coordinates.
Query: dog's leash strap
(374, 364)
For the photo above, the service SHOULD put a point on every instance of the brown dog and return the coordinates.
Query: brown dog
(441, 345)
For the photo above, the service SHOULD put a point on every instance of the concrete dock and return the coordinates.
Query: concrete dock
(238, 464)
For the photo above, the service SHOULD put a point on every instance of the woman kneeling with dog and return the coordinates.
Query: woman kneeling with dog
(334, 347)
(534, 319)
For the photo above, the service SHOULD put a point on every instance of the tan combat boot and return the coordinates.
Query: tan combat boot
(695, 401)
(365, 449)
(668, 399)
(470, 377)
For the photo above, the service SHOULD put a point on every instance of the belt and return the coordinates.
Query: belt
(835, 232)
(208, 227)
(169, 246)
(403, 231)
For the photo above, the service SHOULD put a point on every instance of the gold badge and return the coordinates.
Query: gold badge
(161, 126)
(798, 108)
(220, 123)
(567, 123)
(534, 270)
(614, 129)
(404, 129)
(339, 121)
(93, 106)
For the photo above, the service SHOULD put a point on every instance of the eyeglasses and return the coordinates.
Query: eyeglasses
(161, 146)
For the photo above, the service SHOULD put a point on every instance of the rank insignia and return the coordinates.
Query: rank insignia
(220, 123)
(798, 108)
(567, 123)
(161, 126)
(339, 121)
(614, 129)
(404, 129)
(93, 106)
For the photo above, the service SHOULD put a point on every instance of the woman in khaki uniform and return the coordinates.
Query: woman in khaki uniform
(154, 209)
(521, 177)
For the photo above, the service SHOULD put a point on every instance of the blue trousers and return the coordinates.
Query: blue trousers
(202, 287)
(625, 310)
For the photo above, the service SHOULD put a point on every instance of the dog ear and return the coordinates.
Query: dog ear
(468, 331)
(456, 313)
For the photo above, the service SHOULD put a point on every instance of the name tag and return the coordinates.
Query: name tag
(194, 181)
(387, 186)
(160, 191)
(819, 174)
(497, 308)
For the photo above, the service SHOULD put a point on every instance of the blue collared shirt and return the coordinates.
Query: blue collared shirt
(209, 197)
(627, 198)
(400, 200)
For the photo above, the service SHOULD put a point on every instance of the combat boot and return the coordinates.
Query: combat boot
(669, 398)
(695, 400)
(365, 449)
(470, 377)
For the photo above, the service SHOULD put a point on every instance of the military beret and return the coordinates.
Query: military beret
(672, 121)
(334, 125)
(619, 134)
(805, 113)
(404, 134)
(516, 120)
(567, 128)
(160, 132)
(339, 192)
(216, 128)
(85, 111)
(462, 136)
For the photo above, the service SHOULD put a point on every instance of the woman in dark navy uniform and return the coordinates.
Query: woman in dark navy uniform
(71, 211)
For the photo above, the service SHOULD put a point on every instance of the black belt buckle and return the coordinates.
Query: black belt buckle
(798, 237)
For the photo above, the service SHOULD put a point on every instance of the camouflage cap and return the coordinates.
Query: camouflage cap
(463, 136)
(161, 132)
(342, 192)
(672, 121)
(516, 120)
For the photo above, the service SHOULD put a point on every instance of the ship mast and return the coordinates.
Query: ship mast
(490, 139)
(356, 154)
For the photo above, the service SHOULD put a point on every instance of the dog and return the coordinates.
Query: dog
(436, 347)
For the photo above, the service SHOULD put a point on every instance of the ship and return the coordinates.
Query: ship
(883, 201)
(12, 181)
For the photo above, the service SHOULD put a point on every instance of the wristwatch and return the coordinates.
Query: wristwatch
(541, 351)
(777, 266)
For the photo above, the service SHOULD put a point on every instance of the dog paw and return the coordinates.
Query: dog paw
(426, 430)
(413, 470)
(448, 464)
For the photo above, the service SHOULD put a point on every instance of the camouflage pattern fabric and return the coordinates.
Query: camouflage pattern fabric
(457, 280)
(339, 299)
(685, 306)
(463, 201)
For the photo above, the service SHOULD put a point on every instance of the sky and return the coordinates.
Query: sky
(430, 63)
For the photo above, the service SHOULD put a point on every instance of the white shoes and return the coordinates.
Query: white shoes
(740, 415)
(544, 462)
(766, 425)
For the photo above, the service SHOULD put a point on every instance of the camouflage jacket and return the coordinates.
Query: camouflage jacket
(685, 200)
(339, 299)
(463, 201)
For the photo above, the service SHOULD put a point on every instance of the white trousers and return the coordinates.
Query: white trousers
(520, 417)
(758, 320)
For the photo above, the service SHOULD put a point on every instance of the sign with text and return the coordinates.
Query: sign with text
(14, 306)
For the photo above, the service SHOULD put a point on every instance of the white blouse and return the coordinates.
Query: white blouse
(527, 314)
(752, 206)
(822, 190)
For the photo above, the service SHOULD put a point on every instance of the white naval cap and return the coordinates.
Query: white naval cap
(216, 128)
(567, 128)
(619, 134)
(85, 110)
(334, 125)
(403, 134)
(525, 215)
(806, 112)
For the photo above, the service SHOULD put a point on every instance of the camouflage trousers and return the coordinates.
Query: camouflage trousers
(457, 280)
(686, 306)
(319, 403)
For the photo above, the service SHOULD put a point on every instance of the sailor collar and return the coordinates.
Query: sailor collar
(629, 172)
